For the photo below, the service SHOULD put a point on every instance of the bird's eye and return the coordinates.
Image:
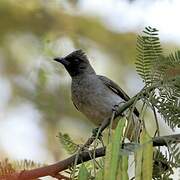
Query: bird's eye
(76, 60)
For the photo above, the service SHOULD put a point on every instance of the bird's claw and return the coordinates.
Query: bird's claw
(116, 106)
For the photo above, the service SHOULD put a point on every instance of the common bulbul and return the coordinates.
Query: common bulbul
(93, 95)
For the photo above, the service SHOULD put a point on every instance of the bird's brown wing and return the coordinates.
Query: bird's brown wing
(117, 90)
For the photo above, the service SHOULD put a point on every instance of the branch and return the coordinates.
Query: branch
(54, 169)
(166, 140)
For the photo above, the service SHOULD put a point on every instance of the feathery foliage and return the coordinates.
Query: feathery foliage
(164, 72)
(149, 50)
(174, 154)
(167, 97)
(162, 167)
(68, 143)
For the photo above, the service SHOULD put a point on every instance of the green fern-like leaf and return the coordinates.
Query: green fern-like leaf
(167, 97)
(148, 51)
(168, 107)
(68, 143)
(164, 72)
(175, 154)
(165, 163)
(162, 167)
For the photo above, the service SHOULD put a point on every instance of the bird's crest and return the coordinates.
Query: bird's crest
(80, 54)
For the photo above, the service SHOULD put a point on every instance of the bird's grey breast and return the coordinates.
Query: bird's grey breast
(93, 98)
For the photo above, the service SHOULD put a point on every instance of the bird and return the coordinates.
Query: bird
(93, 95)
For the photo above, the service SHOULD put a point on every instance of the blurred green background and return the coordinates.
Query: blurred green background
(35, 102)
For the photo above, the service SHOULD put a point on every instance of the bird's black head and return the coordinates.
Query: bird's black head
(76, 63)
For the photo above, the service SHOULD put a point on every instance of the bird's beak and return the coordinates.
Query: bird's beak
(62, 61)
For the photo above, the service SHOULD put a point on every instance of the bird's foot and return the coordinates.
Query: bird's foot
(116, 107)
